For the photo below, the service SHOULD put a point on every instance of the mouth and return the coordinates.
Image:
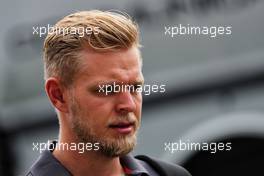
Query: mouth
(123, 127)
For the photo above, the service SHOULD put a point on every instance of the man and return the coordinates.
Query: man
(85, 54)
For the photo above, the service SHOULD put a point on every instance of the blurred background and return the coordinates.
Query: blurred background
(214, 86)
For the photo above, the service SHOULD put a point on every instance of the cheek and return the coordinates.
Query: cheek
(97, 107)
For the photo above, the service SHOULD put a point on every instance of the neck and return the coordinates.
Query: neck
(88, 162)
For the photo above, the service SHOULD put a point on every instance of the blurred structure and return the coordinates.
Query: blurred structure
(213, 85)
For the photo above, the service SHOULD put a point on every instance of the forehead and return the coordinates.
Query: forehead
(124, 65)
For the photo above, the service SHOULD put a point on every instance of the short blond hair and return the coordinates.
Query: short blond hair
(112, 31)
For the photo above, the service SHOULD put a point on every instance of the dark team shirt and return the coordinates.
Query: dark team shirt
(48, 165)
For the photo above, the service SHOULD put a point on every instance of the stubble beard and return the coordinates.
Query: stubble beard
(108, 146)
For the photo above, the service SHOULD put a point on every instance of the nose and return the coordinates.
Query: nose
(126, 103)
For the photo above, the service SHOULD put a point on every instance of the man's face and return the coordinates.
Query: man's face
(113, 119)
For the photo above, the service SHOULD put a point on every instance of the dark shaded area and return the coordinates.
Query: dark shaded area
(246, 158)
(222, 88)
(7, 160)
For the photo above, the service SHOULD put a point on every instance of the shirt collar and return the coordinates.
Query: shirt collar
(132, 166)
(47, 164)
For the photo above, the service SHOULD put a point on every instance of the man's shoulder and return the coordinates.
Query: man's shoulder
(164, 168)
(47, 165)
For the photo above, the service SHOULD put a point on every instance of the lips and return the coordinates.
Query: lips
(122, 127)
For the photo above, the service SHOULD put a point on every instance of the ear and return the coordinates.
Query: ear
(56, 94)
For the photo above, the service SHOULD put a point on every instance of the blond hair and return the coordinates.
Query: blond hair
(108, 31)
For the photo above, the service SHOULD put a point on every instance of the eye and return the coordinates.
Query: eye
(136, 88)
(109, 88)
(103, 90)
